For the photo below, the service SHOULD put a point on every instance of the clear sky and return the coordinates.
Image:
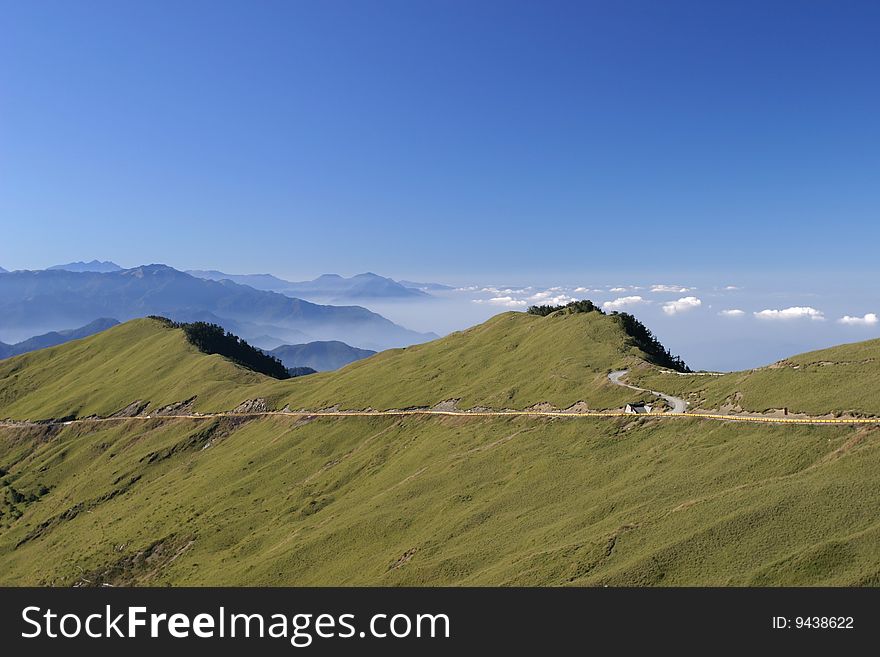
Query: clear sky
(730, 148)
(441, 138)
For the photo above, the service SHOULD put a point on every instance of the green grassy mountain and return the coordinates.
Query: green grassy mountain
(414, 500)
(842, 380)
(512, 361)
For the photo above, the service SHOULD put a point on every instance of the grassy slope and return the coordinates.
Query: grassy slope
(425, 500)
(840, 380)
(138, 360)
(512, 361)
(441, 501)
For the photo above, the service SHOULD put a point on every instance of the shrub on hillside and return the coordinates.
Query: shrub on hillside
(642, 338)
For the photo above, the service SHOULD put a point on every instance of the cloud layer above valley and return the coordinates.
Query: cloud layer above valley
(641, 299)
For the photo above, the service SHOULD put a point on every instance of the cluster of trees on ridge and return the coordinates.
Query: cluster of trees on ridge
(585, 306)
(639, 334)
(214, 339)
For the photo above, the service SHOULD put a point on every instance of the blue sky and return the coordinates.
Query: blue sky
(506, 142)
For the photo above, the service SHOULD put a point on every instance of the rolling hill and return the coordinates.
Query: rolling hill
(842, 380)
(243, 499)
(514, 360)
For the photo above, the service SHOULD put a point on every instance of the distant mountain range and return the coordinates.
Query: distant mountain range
(54, 338)
(426, 287)
(321, 356)
(34, 301)
(328, 287)
(94, 266)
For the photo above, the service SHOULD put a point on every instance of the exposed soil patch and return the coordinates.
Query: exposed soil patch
(403, 559)
(258, 405)
(447, 405)
(201, 439)
(140, 567)
(184, 407)
(543, 407)
(135, 408)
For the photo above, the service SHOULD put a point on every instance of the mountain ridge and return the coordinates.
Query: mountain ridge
(54, 338)
(326, 287)
(96, 266)
(39, 299)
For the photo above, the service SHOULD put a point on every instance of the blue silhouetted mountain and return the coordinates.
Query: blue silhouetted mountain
(300, 371)
(54, 338)
(36, 301)
(266, 282)
(97, 266)
(321, 355)
(328, 287)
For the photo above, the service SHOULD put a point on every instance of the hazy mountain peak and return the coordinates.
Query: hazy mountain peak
(53, 338)
(40, 301)
(98, 266)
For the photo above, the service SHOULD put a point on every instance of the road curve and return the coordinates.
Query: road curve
(678, 404)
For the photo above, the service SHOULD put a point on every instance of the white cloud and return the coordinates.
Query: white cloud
(670, 288)
(622, 302)
(682, 305)
(733, 312)
(618, 289)
(507, 302)
(868, 320)
(551, 297)
(795, 312)
(731, 288)
(581, 290)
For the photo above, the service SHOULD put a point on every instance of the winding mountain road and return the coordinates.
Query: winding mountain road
(677, 404)
(761, 419)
